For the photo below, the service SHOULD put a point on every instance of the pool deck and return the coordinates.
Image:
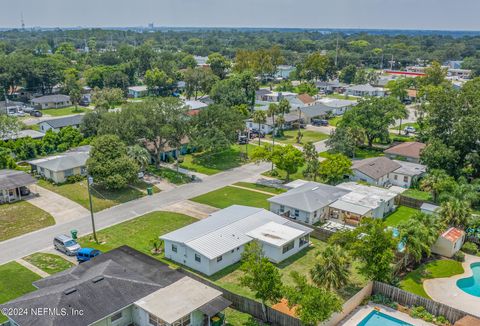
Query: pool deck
(445, 290)
(361, 312)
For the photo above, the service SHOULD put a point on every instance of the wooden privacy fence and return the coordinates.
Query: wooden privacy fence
(250, 306)
(410, 202)
(409, 299)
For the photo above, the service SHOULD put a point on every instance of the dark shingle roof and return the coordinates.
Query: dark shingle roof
(376, 167)
(11, 179)
(64, 122)
(99, 287)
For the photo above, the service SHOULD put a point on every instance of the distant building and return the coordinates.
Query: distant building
(284, 71)
(365, 90)
(51, 101)
(137, 91)
(11, 107)
(339, 106)
(291, 120)
(195, 106)
(58, 124)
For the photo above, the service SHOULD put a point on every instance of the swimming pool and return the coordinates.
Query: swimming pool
(376, 318)
(471, 285)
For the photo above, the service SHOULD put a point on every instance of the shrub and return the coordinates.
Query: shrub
(381, 299)
(459, 256)
(75, 178)
(470, 248)
(440, 320)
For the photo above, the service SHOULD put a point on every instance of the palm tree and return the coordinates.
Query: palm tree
(140, 155)
(436, 182)
(463, 190)
(273, 110)
(455, 212)
(283, 108)
(332, 269)
(417, 238)
(259, 117)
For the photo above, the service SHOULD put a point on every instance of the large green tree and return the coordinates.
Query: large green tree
(332, 268)
(335, 168)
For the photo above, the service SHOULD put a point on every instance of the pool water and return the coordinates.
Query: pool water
(376, 318)
(471, 284)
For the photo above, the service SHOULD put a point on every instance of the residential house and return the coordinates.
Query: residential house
(137, 91)
(260, 94)
(408, 151)
(51, 101)
(119, 288)
(331, 86)
(449, 242)
(194, 106)
(201, 61)
(58, 168)
(11, 107)
(169, 151)
(24, 134)
(58, 124)
(382, 171)
(277, 96)
(318, 110)
(14, 185)
(365, 90)
(311, 202)
(339, 106)
(284, 71)
(291, 120)
(218, 241)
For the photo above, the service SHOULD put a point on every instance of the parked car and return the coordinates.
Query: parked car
(66, 244)
(319, 122)
(36, 113)
(85, 254)
(255, 133)
(409, 129)
(84, 102)
(242, 140)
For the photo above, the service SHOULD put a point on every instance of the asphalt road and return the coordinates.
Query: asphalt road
(27, 244)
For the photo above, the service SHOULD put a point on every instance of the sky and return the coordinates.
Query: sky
(377, 14)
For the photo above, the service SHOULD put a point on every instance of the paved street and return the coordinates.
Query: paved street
(42, 239)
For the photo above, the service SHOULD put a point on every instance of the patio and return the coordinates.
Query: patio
(446, 291)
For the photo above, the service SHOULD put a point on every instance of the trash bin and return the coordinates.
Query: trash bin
(150, 191)
(74, 234)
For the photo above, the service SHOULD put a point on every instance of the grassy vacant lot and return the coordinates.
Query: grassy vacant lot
(212, 163)
(290, 137)
(49, 263)
(20, 218)
(418, 194)
(402, 213)
(228, 196)
(101, 198)
(64, 111)
(260, 187)
(169, 175)
(413, 281)
(16, 281)
(139, 232)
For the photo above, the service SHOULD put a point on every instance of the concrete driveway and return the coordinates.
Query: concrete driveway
(62, 209)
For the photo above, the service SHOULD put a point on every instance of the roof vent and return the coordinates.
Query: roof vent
(69, 291)
(97, 279)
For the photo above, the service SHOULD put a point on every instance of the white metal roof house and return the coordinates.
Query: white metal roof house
(137, 91)
(338, 106)
(365, 90)
(218, 241)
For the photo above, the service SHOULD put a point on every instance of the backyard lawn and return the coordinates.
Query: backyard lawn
(413, 281)
(228, 196)
(139, 232)
(212, 163)
(261, 187)
(101, 198)
(418, 194)
(16, 281)
(64, 111)
(49, 263)
(237, 318)
(290, 137)
(401, 214)
(20, 218)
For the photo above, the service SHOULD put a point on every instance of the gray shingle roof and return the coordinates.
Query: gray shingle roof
(11, 179)
(318, 109)
(309, 197)
(376, 167)
(62, 162)
(73, 120)
(58, 98)
(100, 287)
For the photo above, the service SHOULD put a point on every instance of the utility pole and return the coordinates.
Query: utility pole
(89, 184)
(336, 53)
(22, 21)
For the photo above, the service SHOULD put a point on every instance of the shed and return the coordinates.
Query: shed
(449, 242)
(429, 208)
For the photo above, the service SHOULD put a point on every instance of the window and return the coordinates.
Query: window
(296, 213)
(116, 317)
(219, 259)
(304, 240)
(395, 177)
(198, 258)
(185, 321)
(315, 214)
(289, 246)
(68, 172)
(155, 321)
(405, 178)
(174, 248)
(282, 208)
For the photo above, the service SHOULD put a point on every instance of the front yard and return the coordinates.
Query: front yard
(101, 198)
(16, 281)
(290, 137)
(413, 281)
(228, 196)
(169, 175)
(65, 111)
(260, 187)
(401, 214)
(49, 263)
(20, 218)
(212, 163)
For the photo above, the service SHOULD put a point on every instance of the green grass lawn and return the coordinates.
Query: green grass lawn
(362, 153)
(15, 281)
(402, 213)
(228, 196)
(418, 194)
(49, 263)
(334, 121)
(413, 281)
(65, 111)
(101, 198)
(138, 233)
(342, 97)
(20, 218)
(260, 187)
(282, 175)
(169, 175)
(212, 163)
(290, 137)
(237, 318)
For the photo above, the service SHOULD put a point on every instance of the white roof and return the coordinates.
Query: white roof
(194, 105)
(350, 207)
(336, 103)
(141, 88)
(178, 300)
(275, 234)
(410, 169)
(367, 196)
(226, 230)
